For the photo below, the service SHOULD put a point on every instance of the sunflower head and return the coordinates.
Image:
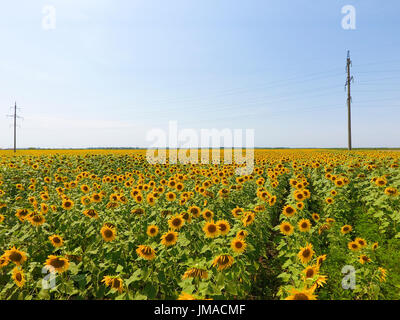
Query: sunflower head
(18, 276)
(146, 252)
(364, 259)
(67, 204)
(57, 263)
(108, 233)
(56, 241)
(346, 229)
(194, 211)
(115, 283)
(223, 261)
(238, 245)
(223, 226)
(176, 222)
(211, 229)
(305, 254)
(310, 272)
(286, 228)
(207, 214)
(288, 211)
(353, 246)
(169, 238)
(248, 218)
(15, 255)
(152, 230)
(303, 294)
(195, 273)
(304, 225)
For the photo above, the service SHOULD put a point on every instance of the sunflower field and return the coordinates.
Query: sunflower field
(106, 224)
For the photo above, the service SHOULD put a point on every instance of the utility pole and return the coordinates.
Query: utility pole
(348, 82)
(15, 125)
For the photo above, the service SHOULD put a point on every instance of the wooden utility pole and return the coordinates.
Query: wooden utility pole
(348, 82)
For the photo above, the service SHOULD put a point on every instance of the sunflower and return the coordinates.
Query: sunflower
(303, 294)
(374, 246)
(288, 211)
(323, 228)
(321, 280)
(207, 214)
(22, 214)
(346, 229)
(320, 259)
(330, 221)
(211, 229)
(380, 182)
(238, 245)
(353, 246)
(85, 200)
(305, 254)
(310, 272)
(304, 225)
(108, 233)
(300, 205)
(3, 261)
(138, 211)
(44, 208)
(329, 200)
(56, 241)
(170, 196)
(57, 263)
(18, 277)
(186, 296)
(223, 261)
(194, 211)
(96, 198)
(176, 222)
(237, 212)
(390, 191)
(169, 238)
(364, 259)
(68, 204)
(299, 195)
(382, 276)
(1, 218)
(195, 273)
(248, 218)
(91, 213)
(114, 282)
(186, 216)
(223, 226)
(259, 208)
(15, 255)
(315, 217)
(361, 242)
(85, 188)
(146, 252)
(272, 201)
(242, 234)
(152, 230)
(286, 228)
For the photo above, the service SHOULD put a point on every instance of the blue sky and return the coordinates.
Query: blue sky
(112, 70)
